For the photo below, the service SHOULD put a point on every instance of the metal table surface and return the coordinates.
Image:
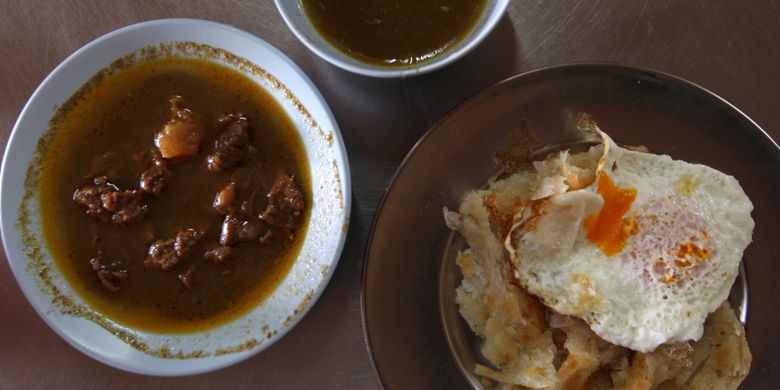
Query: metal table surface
(731, 48)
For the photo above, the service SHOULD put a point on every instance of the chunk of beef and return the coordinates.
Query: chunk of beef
(155, 177)
(162, 255)
(255, 230)
(233, 145)
(182, 136)
(112, 280)
(285, 203)
(165, 254)
(127, 206)
(230, 227)
(185, 241)
(225, 199)
(89, 195)
(236, 229)
(104, 201)
(235, 130)
(250, 231)
(111, 276)
(224, 158)
(218, 254)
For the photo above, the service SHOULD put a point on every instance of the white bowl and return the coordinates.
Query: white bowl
(158, 354)
(294, 16)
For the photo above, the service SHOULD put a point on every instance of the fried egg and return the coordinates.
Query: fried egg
(640, 246)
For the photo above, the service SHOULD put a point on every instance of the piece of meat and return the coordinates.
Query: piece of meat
(236, 229)
(182, 136)
(126, 206)
(285, 203)
(111, 276)
(230, 227)
(104, 201)
(255, 230)
(235, 130)
(88, 197)
(165, 254)
(185, 241)
(251, 231)
(219, 254)
(233, 144)
(112, 280)
(155, 177)
(162, 255)
(225, 199)
(225, 157)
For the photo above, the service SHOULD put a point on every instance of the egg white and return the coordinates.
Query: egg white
(692, 224)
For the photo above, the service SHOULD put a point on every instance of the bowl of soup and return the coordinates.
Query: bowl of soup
(175, 197)
(391, 38)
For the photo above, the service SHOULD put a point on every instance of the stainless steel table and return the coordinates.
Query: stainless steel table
(729, 47)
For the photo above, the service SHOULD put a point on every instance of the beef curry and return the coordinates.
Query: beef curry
(175, 195)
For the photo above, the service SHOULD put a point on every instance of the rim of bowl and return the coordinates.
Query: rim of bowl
(343, 61)
(8, 212)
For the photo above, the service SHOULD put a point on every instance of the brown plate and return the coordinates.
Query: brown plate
(401, 302)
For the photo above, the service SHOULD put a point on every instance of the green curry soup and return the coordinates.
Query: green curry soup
(110, 132)
(393, 32)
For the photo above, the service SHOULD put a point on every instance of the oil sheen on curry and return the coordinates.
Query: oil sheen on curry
(393, 32)
(175, 195)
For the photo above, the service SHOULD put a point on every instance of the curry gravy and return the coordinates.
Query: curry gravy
(393, 32)
(104, 133)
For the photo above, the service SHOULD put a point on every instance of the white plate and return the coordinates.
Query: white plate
(271, 319)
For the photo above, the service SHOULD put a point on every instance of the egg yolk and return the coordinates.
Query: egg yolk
(609, 229)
